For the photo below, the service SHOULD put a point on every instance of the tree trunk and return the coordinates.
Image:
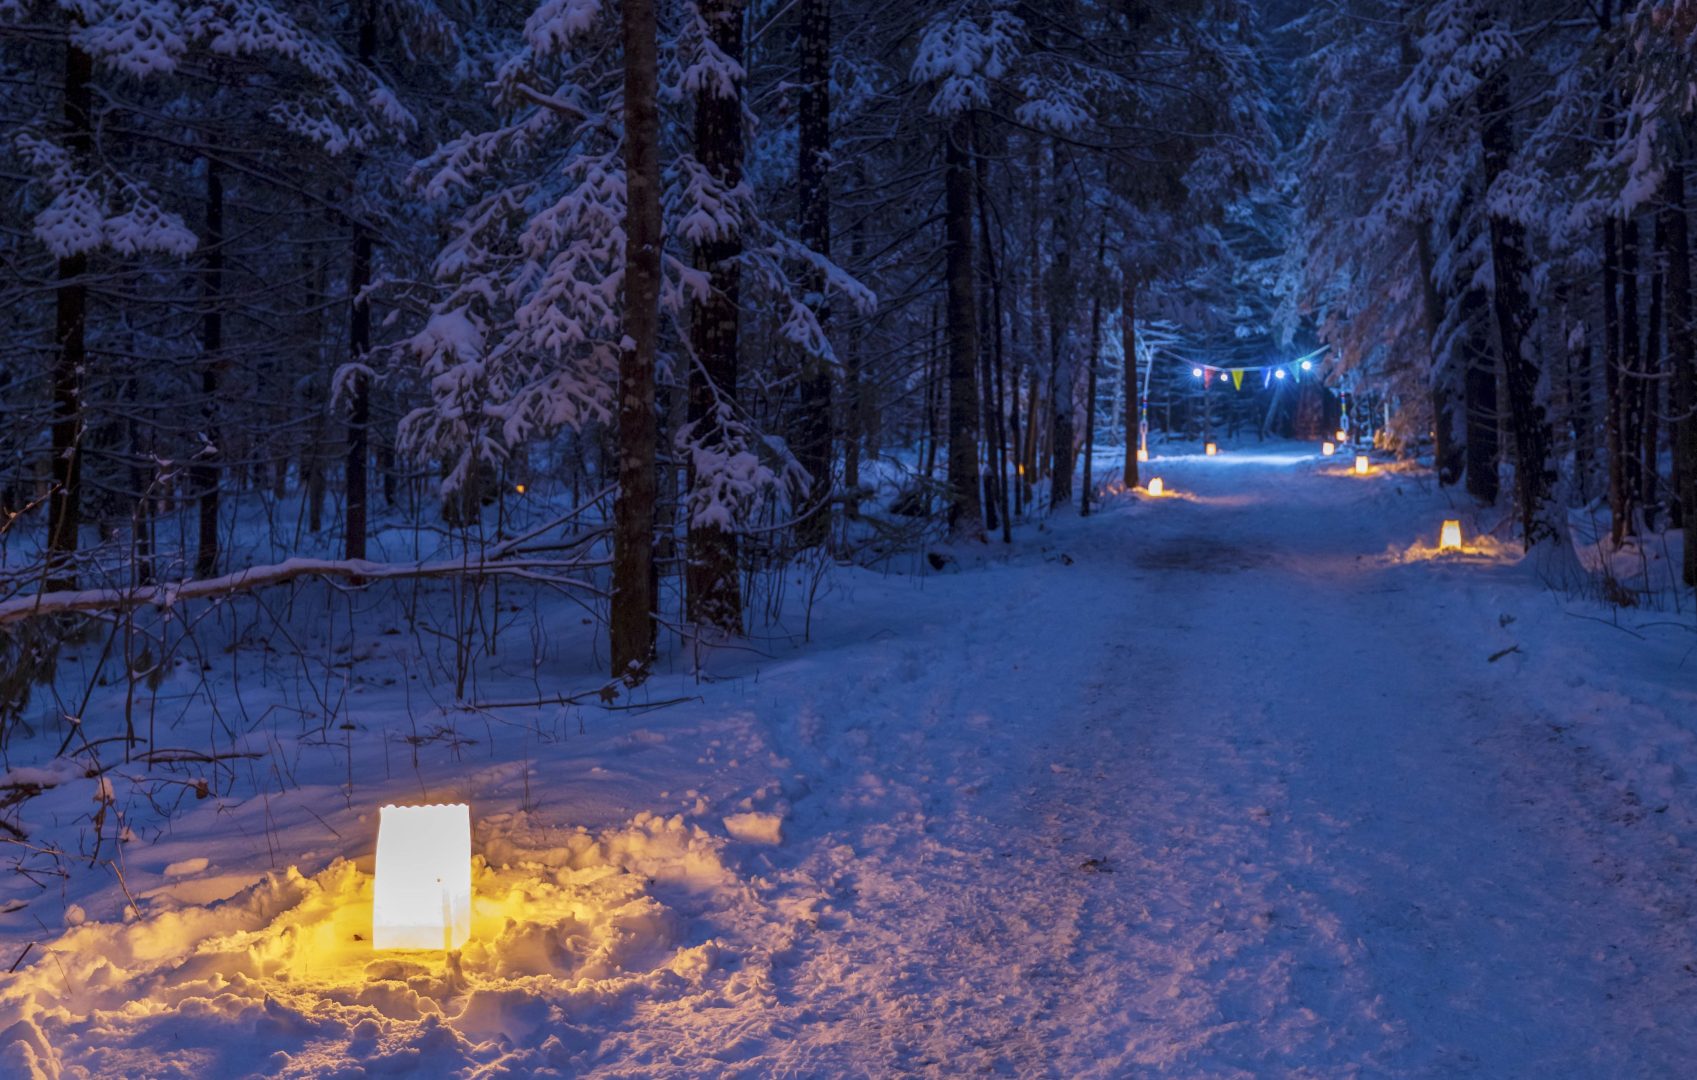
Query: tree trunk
(1446, 455)
(1650, 393)
(995, 404)
(1612, 333)
(1631, 381)
(1680, 360)
(1090, 373)
(359, 344)
(1512, 307)
(964, 515)
(1061, 375)
(715, 597)
(1133, 389)
(64, 510)
(855, 408)
(813, 444)
(632, 635)
(211, 345)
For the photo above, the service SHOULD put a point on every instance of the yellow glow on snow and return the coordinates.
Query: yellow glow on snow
(1449, 537)
(422, 899)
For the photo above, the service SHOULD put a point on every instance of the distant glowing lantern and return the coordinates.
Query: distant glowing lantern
(1211, 449)
(1196, 373)
(1449, 537)
(1327, 449)
(519, 488)
(1142, 455)
(1342, 435)
(1156, 487)
(1361, 465)
(422, 899)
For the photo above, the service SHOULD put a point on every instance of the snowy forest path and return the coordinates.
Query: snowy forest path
(1217, 793)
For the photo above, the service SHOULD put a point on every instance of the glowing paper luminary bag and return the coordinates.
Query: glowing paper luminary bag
(1328, 449)
(1211, 449)
(1449, 537)
(1155, 486)
(1361, 465)
(423, 892)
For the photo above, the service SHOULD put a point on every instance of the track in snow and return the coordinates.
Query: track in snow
(1231, 793)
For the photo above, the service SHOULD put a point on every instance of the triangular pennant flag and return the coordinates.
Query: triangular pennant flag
(1296, 370)
(1237, 378)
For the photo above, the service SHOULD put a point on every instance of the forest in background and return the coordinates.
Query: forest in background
(643, 303)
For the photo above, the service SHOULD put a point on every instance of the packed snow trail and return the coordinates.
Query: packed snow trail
(1221, 793)
(1235, 783)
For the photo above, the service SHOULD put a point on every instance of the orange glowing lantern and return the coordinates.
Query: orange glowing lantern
(1361, 465)
(1156, 487)
(1211, 449)
(422, 898)
(1449, 537)
(519, 488)
(1342, 435)
(1142, 455)
(1328, 449)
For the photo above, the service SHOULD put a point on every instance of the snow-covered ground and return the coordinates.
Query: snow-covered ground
(1237, 782)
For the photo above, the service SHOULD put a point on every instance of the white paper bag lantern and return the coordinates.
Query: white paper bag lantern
(1211, 449)
(1449, 537)
(1361, 465)
(1328, 449)
(1155, 486)
(423, 893)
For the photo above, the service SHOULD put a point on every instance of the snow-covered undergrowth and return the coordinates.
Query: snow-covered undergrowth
(1243, 783)
(280, 978)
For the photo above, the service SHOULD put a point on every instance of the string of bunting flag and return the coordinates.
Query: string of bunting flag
(1283, 369)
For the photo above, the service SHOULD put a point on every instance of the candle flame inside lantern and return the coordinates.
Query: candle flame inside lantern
(1361, 465)
(1156, 487)
(422, 896)
(1211, 449)
(1449, 537)
(1328, 449)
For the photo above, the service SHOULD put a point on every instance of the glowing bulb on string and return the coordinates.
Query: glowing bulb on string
(1196, 373)
(1156, 487)
(1361, 465)
(1308, 365)
(1279, 374)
